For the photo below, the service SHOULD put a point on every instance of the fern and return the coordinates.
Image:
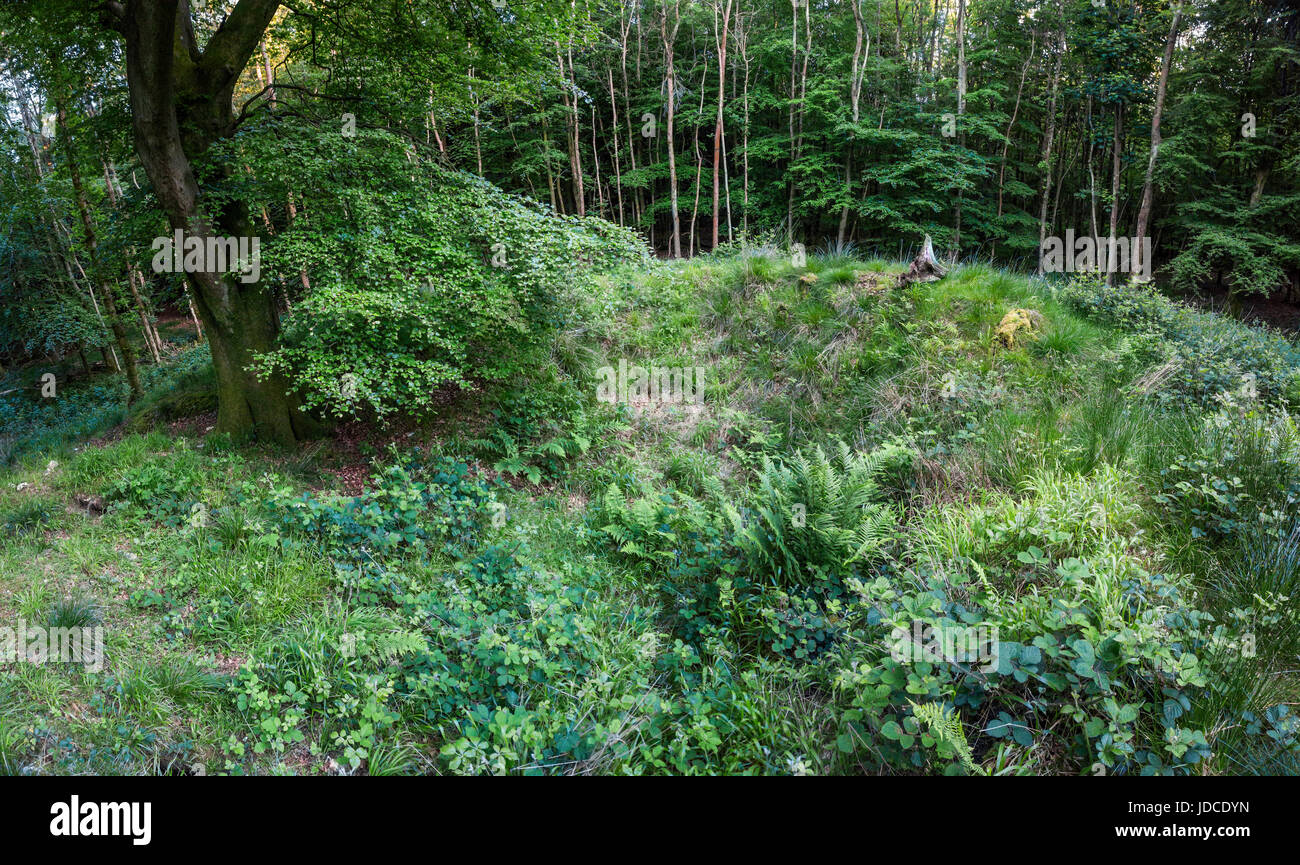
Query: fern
(518, 460)
(391, 646)
(642, 529)
(946, 727)
(814, 513)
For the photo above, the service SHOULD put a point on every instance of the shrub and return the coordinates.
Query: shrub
(410, 504)
(422, 277)
(1203, 354)
(169, 488)
(335, 670)
(1232, 473)
(1094, 655)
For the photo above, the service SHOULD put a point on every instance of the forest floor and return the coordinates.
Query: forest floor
(537, 581)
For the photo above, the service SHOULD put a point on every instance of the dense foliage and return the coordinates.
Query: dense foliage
(374, 510)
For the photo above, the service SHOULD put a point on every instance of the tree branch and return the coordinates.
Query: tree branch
(230, 47)
(112, 14)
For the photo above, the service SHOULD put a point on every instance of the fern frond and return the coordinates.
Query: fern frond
(945, 725)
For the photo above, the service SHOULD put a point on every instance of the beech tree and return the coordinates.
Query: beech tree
(182, 67)
(181, 103)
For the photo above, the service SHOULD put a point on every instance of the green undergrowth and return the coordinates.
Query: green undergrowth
(883, 542)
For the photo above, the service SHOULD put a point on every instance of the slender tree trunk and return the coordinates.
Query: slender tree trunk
(1117, 153)
(575, 135)
(961, 112)
(614, 125)
(433, 125)
(59, 240)
(1092, 172)
(794, 66)
(478, 142)
(718, 126)
(1261, 180)
(106, 285)
(270, 74)
(151, 338)
(625, 26)
(194, 314)
(742, 41)
(692, 249)
(1144, 210)
(1048, 140)
(669, 38)
(857, 73)
(557, 203)
(1011, 124)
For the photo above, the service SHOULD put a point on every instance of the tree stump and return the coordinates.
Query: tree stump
(924, 268)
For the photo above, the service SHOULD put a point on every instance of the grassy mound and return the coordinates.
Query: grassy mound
(886, 539)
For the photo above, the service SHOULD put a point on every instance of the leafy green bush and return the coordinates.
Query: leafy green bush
(338, 671)
(540, 427)
(1203, 354)
(410, 504)
(169, 487)
(1085, 653)
(1232, 472)
(1249, 247)
(421, 277)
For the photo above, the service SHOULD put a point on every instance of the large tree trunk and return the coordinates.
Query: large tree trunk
(174, 87)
